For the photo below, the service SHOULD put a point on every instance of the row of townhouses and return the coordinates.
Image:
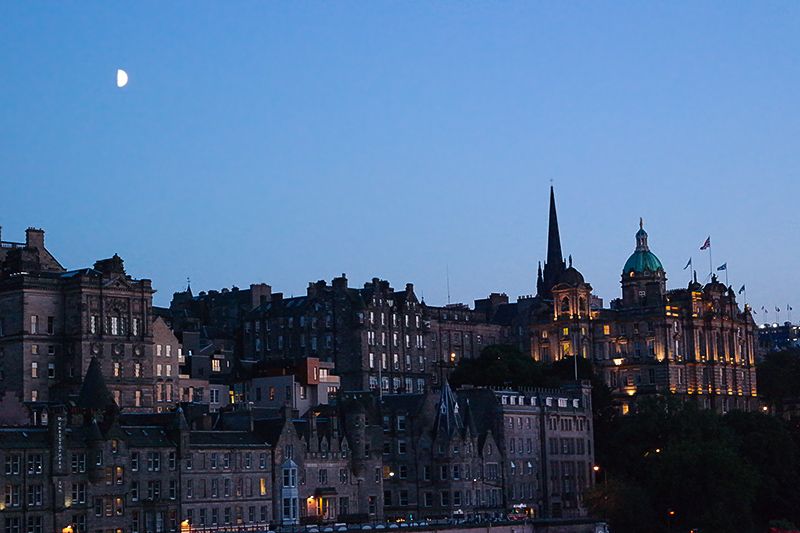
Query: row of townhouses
(88, 466)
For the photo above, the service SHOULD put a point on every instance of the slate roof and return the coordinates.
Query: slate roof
(221, 439)
(147, 437)
(24, 438)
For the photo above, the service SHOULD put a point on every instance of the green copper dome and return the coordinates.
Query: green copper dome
(642, 259)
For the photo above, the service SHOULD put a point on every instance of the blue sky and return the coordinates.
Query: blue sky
(286, 142)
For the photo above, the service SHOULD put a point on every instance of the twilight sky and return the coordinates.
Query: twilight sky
(286, 142)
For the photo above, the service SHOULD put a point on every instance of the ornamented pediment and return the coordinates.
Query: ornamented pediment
(118, 282)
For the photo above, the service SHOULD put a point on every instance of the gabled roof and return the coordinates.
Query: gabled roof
(448, 415)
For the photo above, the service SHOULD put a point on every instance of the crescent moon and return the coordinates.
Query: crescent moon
(122, 78)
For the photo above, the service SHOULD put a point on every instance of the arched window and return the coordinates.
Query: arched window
(565, 305)
(582, 304)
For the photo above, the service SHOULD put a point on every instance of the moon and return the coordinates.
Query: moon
(122, 78)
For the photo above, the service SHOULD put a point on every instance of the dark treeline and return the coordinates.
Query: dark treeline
(671, 466)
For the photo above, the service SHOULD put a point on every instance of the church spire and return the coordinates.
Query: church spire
(554, 256)
(555, 261)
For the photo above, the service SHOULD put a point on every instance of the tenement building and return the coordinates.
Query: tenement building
(375, 336)
(480, 452)
(54, 321)
(474, 453)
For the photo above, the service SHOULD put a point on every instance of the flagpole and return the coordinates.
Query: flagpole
(710, 262)
(726, 273)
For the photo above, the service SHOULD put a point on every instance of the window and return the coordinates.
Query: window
(34, 369)
(12, 524)
(78, 493)
(34, 324)
(34, 524)
(323, 476)
(78, 463)
(153, 489)
(153, 461)
(35, 463)
(290, 507)
(34, 495)
(344, 505)
(290, 477)
(12, 495)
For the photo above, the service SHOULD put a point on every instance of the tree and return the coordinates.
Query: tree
(502, 365)
(778, 377)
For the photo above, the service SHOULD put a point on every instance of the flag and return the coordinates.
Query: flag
(706, 244)
(741, 290)
(763, 308)
(723, 266)
(754, 311)
(790, 308)
(777, 309)
(688, 264)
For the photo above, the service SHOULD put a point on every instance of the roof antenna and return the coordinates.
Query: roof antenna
(447, 269)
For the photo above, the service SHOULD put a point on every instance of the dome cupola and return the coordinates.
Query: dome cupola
(642, 259)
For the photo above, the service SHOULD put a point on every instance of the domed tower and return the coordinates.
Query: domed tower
(571, 295)
(571, 311)
(643, 276)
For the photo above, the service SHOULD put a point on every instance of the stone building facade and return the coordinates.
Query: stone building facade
(697, 342)
(53, 321)
(480, 453)
(375, 336)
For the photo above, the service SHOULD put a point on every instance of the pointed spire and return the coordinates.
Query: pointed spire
(94, 392)
(554, 256)
(555, 260)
